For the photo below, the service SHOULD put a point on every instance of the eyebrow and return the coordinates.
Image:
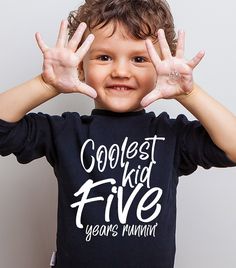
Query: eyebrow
(108, 50)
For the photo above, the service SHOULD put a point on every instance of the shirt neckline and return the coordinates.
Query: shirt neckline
(111, 113)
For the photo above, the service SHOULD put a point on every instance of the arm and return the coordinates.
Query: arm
(60, 75)
(175, 81)
(219, 122)
(16, 102)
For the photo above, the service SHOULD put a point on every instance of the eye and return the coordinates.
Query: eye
(139, 59)
(104, 58)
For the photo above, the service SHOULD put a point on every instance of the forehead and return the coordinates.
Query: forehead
(113, 31)
(117, 37)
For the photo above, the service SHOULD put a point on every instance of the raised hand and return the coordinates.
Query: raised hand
(174, 73)
(60, 66)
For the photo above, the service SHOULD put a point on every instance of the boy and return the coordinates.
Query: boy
(118, 168)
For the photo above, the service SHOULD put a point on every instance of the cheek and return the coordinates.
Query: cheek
(90, 74)
(89, 78)
(149, 79)
(94, 75)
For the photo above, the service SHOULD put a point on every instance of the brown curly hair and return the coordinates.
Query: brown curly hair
(142, 18)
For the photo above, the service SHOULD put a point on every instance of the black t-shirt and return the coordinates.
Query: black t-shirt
(117, 177)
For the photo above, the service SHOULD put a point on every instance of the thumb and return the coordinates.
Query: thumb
(154, 95)
(87, 90)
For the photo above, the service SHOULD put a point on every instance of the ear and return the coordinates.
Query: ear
(81, 72)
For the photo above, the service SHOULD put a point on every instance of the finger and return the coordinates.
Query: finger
(165, 49)
(180, 45)
(62, 35)
(87, 90)
(152, 53)
(41, 44)
(85, 47)
(151, 97)
(77, 36)
(196, 60)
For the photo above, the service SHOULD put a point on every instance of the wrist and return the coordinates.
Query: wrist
(51, 90)
(181, 98)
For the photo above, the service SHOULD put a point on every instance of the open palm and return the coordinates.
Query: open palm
(174, 73)
(60, 66)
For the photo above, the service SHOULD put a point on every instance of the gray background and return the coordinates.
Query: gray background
(206, 234)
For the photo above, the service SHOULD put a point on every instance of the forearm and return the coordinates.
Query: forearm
(16, 102)
(219, 122)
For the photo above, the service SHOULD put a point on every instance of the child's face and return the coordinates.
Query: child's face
(119, 68)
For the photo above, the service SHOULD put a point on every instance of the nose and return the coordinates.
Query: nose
(121, 69)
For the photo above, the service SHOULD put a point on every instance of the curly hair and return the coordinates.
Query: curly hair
(142, 18)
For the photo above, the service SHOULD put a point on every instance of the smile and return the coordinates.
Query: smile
(121, 88)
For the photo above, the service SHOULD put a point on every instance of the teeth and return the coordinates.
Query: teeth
(120, 88)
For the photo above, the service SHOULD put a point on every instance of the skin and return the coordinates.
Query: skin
(122, 78)
(121, 74)
(107, 79)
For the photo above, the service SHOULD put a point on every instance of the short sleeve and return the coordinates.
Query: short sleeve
(30, 138)
(195, 148)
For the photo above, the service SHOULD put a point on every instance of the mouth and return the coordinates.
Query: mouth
(120, 88)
